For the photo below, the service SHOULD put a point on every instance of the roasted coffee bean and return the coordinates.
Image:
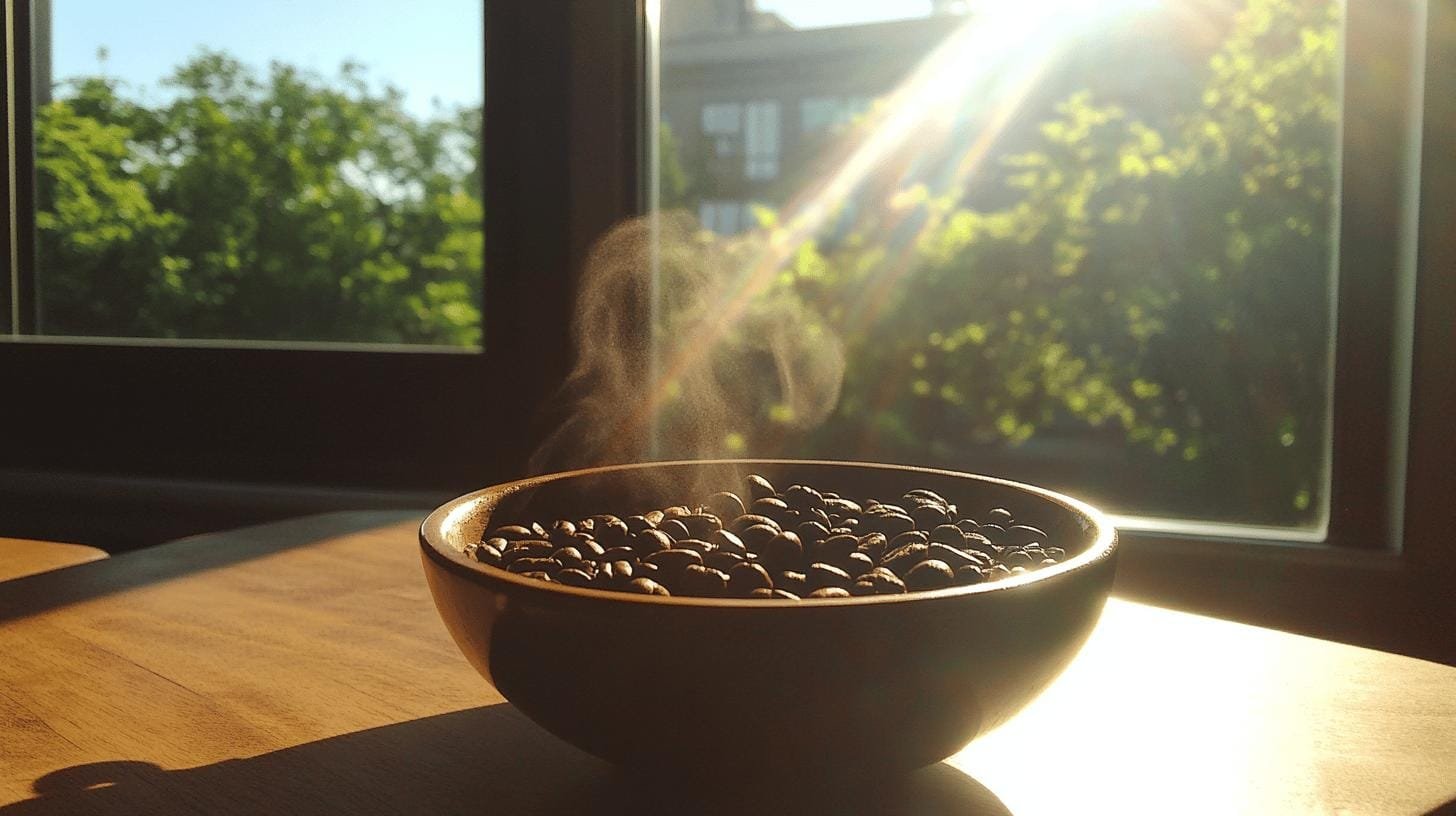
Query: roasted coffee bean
(851, 524)
(803, 497)
(539, 576)
(615, 574)
(1056, 553)
(948, 534)
(994, 532)
(902, 559)
(772, 506)
(612, 533)
(703, 582)
(725, 505)
(677, 511)
(497, 543)
(999, 515)
(617, 554)
(694, 544)
(590, 550)
(930, 574)
(835, 548)
(654, 517)
(873, 545)
(811, 533)
(1015, 558)
(921, 494)
(884, 580)
(721, 560)
(844, 507)
(829, 592)
(783, 551)
(675, 528)
(856, 564)
(758, 487)
(967, 525)
(537, 529)
(1022, 535)
(513, 532)
(1018, 570)
(969, 575)
(646, 586)
(860, 589)
(649, 541)
(569, 557)
(891, 524)
(744, 578)
(728, 542)
(1048, 562)
(672, 562)
(743, 522)
(701, 525)
(527, 549)
(929, 516)
(574, 577)
(979, 543)
(952, 556)
(791, 581)
(1034, 552)
(636, 524)
(529, 564)
(587, 525)
(763, 592)
(486, 554)
(822, 575)
(758, 536)
(907, 537)
(562, 527)
(997, 572)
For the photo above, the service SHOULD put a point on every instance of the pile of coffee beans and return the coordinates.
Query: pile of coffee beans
(765, 543)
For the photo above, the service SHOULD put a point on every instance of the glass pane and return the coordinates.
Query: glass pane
(1083, 244)
(270, 170)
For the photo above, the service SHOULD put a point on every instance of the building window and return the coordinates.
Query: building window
(761, 140)
(725, 217)
(818, 114)
(723, 127)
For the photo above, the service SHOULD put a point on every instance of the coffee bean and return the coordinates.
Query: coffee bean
(487, 554)
(891, 524)
(676, 511)
(921, 494)
(758, 487)
(901, 560)
(529, 548)
(860, 589)
(873, 545)
(824, 575)
(758, 536)
(617, 554)
(1018, 570)
(999, 515)
(782, 595)
(613, 534)
(1021, 535)
(574, 577)
(792, 582)
(803, 497)
(672, 562)
(844, 507)
(928, 516)
(907, 537)
(952, 556)
(569, 557)
(829, 592)
(930, 574)
(835, 548)
(762, 592)
(704, 582)
(701, 525)
(967, 525)
(1015, 558)
(675, 528)
(772, 507)
(811, 533)
(539, 576)
(636, 524)
(948, 534)
(997, 572)
(744, 578)
(727, 542)
(856, 564)
(743, 522)
(722, 560)
(615, 574)
(969, 575)
(978, 542)
(725, 505)
(529, 564)
(654, 517)
(646, 586)
(694, 544)
(649, 541)
(782, 552)
(513, 532)
(1056, 553)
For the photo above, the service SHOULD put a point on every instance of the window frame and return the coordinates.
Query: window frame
(115, 411)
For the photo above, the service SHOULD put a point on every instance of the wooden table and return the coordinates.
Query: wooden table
(300, 667)
(20, 557)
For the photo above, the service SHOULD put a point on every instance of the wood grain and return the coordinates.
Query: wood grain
(300, 667)
(20, 557)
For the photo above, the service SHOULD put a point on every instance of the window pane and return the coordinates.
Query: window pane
(1085, 244)
(260, 171)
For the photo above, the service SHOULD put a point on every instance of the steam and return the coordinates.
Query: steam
(689, 346)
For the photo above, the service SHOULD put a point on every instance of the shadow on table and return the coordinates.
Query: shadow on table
(38, 593)
(482, 760)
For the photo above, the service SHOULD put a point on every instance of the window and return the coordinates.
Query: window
(1092, 246)
(224, 177)
(723, 126)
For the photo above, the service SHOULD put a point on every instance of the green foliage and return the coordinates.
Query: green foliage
(280, 207)
(1165, 290)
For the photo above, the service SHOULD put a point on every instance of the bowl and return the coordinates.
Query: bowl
(765, 688)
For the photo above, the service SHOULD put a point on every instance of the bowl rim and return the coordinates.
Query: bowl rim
(432, 542)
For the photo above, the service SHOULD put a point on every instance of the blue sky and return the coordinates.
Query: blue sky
(429, 48)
